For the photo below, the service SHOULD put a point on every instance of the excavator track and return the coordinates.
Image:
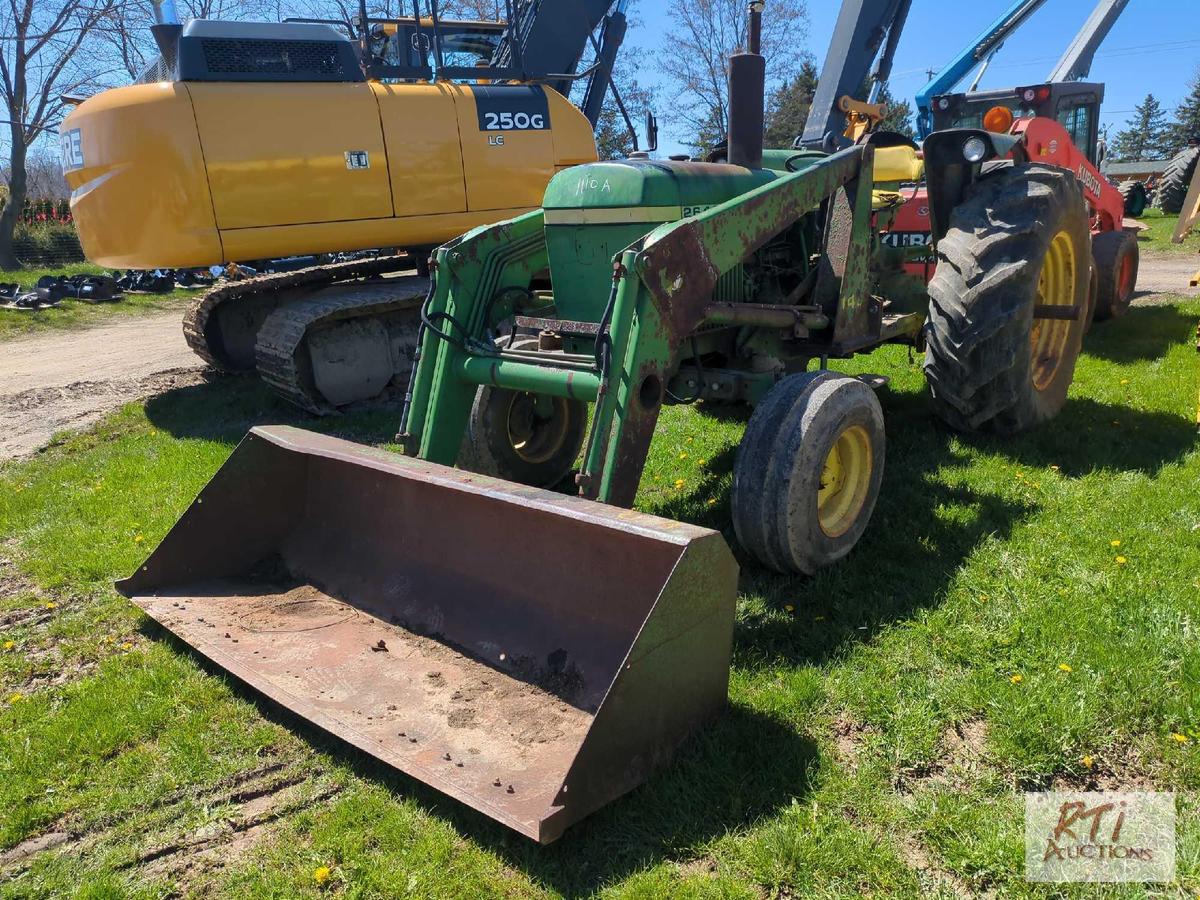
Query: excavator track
(287, 364)
(199, 315)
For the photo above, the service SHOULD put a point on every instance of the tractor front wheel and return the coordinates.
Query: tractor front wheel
(1008, 304)
(1116, 256)
(808, 471)
(519, 436)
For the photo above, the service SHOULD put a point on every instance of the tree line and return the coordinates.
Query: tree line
(1152, 134)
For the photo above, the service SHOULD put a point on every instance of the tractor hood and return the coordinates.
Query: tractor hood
(644, 191)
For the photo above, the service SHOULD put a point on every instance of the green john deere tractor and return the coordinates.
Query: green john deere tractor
(644, 282)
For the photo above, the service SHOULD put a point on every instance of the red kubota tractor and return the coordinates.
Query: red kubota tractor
(1051, 123)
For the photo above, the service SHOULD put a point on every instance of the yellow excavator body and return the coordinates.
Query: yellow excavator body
(179, 174)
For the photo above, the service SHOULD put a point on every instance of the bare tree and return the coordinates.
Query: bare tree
(696, 61)
(126, 29)
(40, 60)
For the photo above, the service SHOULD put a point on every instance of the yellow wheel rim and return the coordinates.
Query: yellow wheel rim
(1050, 338)
(535, 436)
(845, 481)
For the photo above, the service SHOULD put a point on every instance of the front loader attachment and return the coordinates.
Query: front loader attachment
(532, 655)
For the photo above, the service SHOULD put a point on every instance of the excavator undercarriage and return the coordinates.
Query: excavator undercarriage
(322, 337)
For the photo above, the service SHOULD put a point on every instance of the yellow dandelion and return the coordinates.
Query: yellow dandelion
(1175, 735)
(50, 604)
(1124, 381)
(321, 874)
(789, 607)
(712, 501)
(1121, 560)
(127, 645)
(679, 483)
(1020, 474)
(1087, 761)
(8, 645)
(687, 440)
(683, 456)
(137, 538)
(702, 461)
(1016, 679)
(17, 698)
(1063, 667)
(1114, 543)
(111, 639)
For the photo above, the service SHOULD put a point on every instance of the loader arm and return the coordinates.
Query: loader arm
(863, 26)
(1045, 140)
(662, 292)
(553, 38)
(1076, 63)
(978, 51)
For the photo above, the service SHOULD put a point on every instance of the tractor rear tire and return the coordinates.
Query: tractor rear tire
(808, 471)
(1173, 186)
(523, 437)
(1136, 200)
(1019, 240)
(1116, 261)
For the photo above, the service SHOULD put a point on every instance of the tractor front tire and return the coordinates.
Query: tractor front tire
(1116, 259)
(1173, 186)
(1019, 241)
(808, 471)
(528, 438)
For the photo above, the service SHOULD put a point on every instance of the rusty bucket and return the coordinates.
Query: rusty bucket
(532, 655)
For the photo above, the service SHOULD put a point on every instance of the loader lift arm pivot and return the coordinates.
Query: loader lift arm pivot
(863, 26)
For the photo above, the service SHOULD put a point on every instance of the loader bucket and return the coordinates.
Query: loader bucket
(529, 654)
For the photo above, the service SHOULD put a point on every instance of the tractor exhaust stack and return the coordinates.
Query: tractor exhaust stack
(462, 629)
(747, 90)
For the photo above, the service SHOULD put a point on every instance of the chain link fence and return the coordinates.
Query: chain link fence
(45, 235)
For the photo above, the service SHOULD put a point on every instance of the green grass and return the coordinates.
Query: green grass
(839, 769)
(76, 313)
(1157, 236)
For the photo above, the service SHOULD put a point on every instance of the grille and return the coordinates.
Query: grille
(731, 287)
(242, 56)
(159, 70)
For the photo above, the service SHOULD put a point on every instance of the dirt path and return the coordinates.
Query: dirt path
(1167, 274)
(68, 380)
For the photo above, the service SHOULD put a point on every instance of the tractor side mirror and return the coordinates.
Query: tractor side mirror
(651, 132)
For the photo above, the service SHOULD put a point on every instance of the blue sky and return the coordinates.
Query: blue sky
(1153, 48)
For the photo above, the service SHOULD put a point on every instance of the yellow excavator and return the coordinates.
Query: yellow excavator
(249, 141)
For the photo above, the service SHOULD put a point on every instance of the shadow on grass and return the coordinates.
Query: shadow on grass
(743, 767)
(929, 519)
(224, 407)
(1143, 333)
